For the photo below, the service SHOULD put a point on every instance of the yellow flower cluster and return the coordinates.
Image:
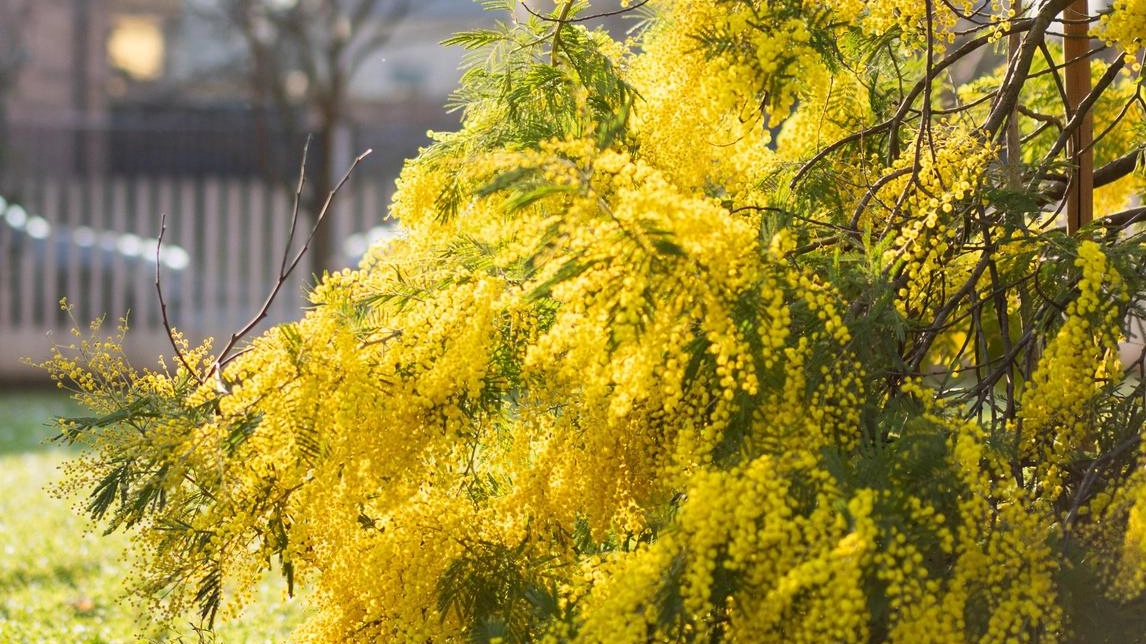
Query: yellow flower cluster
(723, 103)
(1081, 360)
(1125, 27)
(924, 198)
(911, 16)
(616, 384)
(807, 560)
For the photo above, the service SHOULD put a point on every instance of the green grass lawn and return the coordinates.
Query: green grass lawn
(61, 581)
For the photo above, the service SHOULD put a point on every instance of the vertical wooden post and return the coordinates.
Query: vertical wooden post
(1076, 44)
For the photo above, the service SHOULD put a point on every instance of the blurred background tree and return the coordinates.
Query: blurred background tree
(14, 14)
(301, 57)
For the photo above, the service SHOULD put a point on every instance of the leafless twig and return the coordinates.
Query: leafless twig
(603, 14)
(163, 302)
(1076, 119)
(285, 267)
(1088, 480)
(299, 185)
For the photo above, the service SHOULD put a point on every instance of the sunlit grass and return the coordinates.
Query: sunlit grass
(61, 581)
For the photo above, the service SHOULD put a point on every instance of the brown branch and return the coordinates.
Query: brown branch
(1039, 116)
(987, 382)
(959, 108)
(1084, 108)
(297, 204)
(326, 206)
(1002, 316)
(1105, 175)
(1118, 168)
(1013, 142)
(163, 302)
(892, 123)
(1114, 123)
(871, 192)
(287, 269)
(1034, 134)
(981, 11)
(603, 14)
(1019, 66)
(919, 352)
(1053, 69)
(1123, 218)
(1088, 480)
(925, 133)
(855, 136)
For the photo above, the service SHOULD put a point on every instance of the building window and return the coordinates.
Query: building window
(136, 46)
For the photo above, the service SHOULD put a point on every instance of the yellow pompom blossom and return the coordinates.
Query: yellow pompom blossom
(688, 96)
(638, 372)
(1125, 27)
(1078, 363)
(924, 192)
(912, 17)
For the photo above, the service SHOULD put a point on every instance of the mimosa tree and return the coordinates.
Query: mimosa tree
(762, 326)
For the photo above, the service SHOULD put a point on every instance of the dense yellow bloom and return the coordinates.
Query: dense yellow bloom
(638, 372)
(1073, 369)
(1125, 26)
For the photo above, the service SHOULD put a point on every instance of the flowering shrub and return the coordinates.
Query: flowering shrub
(750, 328)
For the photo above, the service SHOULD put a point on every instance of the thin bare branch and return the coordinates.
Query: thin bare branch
(296, 206)
(224, 355)
(595, 16)
(871, 192)
(1105, 175)
(163, 301)
(892, 124)
(1123, 218)
(1019, 67)
(1084, 108)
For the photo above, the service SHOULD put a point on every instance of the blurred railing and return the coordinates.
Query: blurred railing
(93, 241)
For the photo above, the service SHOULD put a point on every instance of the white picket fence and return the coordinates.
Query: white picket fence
(94, 242)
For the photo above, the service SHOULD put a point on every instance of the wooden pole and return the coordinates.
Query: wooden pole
(1076, 44)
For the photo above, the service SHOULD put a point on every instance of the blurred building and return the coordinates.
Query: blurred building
(59, 94)
(162, 88)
